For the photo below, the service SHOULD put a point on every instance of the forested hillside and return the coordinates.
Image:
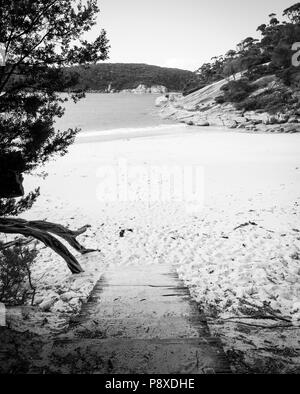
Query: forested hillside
(256, 86)
(270, 56)
(120, 76)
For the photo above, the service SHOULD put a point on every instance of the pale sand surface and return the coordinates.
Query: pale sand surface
(247, 178)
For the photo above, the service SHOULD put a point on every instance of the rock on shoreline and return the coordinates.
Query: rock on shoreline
(201, 109)
(143, 89)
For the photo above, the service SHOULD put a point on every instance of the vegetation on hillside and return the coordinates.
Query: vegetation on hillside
(256, 58)
(120, 76)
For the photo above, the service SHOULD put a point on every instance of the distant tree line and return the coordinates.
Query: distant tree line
(120, 76)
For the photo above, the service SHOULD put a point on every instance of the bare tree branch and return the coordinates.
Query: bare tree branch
(59, 230)
(15, 226)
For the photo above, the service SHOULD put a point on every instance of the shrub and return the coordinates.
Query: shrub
(271, 101)
(16, 286)
(220, 100)
(236, 91)
(259, 71)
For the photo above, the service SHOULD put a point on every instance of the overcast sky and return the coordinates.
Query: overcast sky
(180, 33)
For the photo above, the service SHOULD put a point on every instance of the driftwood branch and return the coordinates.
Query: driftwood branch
(245, 225)
(41, 230)
(56, 229)
(265, 327)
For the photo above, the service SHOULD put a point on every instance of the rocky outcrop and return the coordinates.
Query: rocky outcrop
(143, 89)
(161, 100)
(200, 109)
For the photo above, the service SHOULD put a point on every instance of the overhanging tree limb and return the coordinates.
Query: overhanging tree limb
(56, 229)
(38, 230)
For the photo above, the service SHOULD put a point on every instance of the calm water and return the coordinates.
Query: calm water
(99, 112)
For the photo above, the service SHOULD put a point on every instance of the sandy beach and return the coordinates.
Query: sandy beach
(149, 190)
(237, 249)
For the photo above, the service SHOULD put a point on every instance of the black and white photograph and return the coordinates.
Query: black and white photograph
(149, 190)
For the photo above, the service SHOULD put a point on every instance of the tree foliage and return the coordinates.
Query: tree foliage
(40, 38)
(271, 54)
(293, 13)
(255, 58)
(236, 91)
